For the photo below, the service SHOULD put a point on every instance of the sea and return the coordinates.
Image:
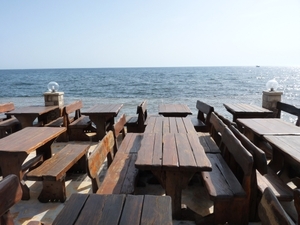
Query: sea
(130, 86)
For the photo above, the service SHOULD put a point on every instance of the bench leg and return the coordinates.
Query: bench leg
(53, 191)
(80, 166)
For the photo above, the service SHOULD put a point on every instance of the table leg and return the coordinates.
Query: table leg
(11, 163)
(45, 150)
(174, 182)
(100, 122)
(26, 120)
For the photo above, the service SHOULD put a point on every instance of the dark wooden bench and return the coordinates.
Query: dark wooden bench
(137, 124)
(270, 210)
(229, 182)
(292, 208)
(8, 124)
(201, 122)
(288, 109)
(263, 176)
(52, 172)
(10, 194)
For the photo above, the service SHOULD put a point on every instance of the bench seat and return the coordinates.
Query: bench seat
(201, 122)
(208, 143)
(137, 124)
(52, 171)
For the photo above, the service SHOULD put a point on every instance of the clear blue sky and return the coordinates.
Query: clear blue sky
(89, 34)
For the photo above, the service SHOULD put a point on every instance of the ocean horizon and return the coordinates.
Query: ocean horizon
(130, 86)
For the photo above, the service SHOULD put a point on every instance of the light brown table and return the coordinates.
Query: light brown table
(115, 209)
(15, 148)
(102, 115)
(158, 124)
(174, 110)
(26, 115)
(173, 158)
(241, 110)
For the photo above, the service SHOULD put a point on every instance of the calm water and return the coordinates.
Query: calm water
(214, 85)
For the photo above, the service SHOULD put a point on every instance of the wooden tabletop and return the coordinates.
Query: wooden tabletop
(37, 110)
(159, 124)
(269, 126)
(172, 151)
(174, 110)
(115, 209)
(241, 110)
(104, 109)
(29, 139)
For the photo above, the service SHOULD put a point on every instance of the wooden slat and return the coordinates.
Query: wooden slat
(170, 157)
(134, 204)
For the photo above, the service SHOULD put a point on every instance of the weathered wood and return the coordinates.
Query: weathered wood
(271, 212)
(97, 158)
(119, 131)
(9, 124)
(174, 110)
(53, 171)
(137, 124)
(229, 182)
(202, 121)
(116, 209)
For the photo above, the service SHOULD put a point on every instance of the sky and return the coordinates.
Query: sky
(165, 33)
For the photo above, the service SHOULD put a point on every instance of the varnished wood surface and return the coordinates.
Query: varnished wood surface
(116, 209)
(269, 126)
(29, 139)
(241, 110)
(174, 110)
(26, 115)
(104, 109)
(159, 124)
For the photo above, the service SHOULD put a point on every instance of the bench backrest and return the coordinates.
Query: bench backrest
(297, 202)
(6, 107)
(270, 210)
(142, 115)
(95, 160)
(289, 109)
(204, 112)
(10, 194)
(119, 131)
(240, 161)
(69, 109)
(217, 128)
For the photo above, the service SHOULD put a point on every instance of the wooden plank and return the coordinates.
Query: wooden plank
(129, 179)
(133, 204)
(157, 210)
(170, 157)
(180, 125)
(145, 154)
(70, 212)
(185, 155)
(173, 125)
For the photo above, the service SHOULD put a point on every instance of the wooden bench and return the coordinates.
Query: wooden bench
(137, 124)
(201, 122)
(292, 208)
(52, 172)
(77, 125)
(263, 176)
(10, 194)
(288, 109)
(9, 124)
(271, 212)
(229, 183)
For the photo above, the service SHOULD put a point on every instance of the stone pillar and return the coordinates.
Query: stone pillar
(270, 99)
(54, 98)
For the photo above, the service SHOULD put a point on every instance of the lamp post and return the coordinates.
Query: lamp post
(53, 97)
(271, 96)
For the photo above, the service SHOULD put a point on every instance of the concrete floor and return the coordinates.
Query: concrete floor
(194, 197)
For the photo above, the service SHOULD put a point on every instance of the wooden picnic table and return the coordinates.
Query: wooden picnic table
(115, 209)
(241, 110)
(15, 148)
(174, 110)
(26, 115)
(173, 158)
(102, 115)
(158, 124)
(286, 152)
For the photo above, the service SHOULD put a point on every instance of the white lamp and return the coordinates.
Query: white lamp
(53, 86)
(272, 85)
